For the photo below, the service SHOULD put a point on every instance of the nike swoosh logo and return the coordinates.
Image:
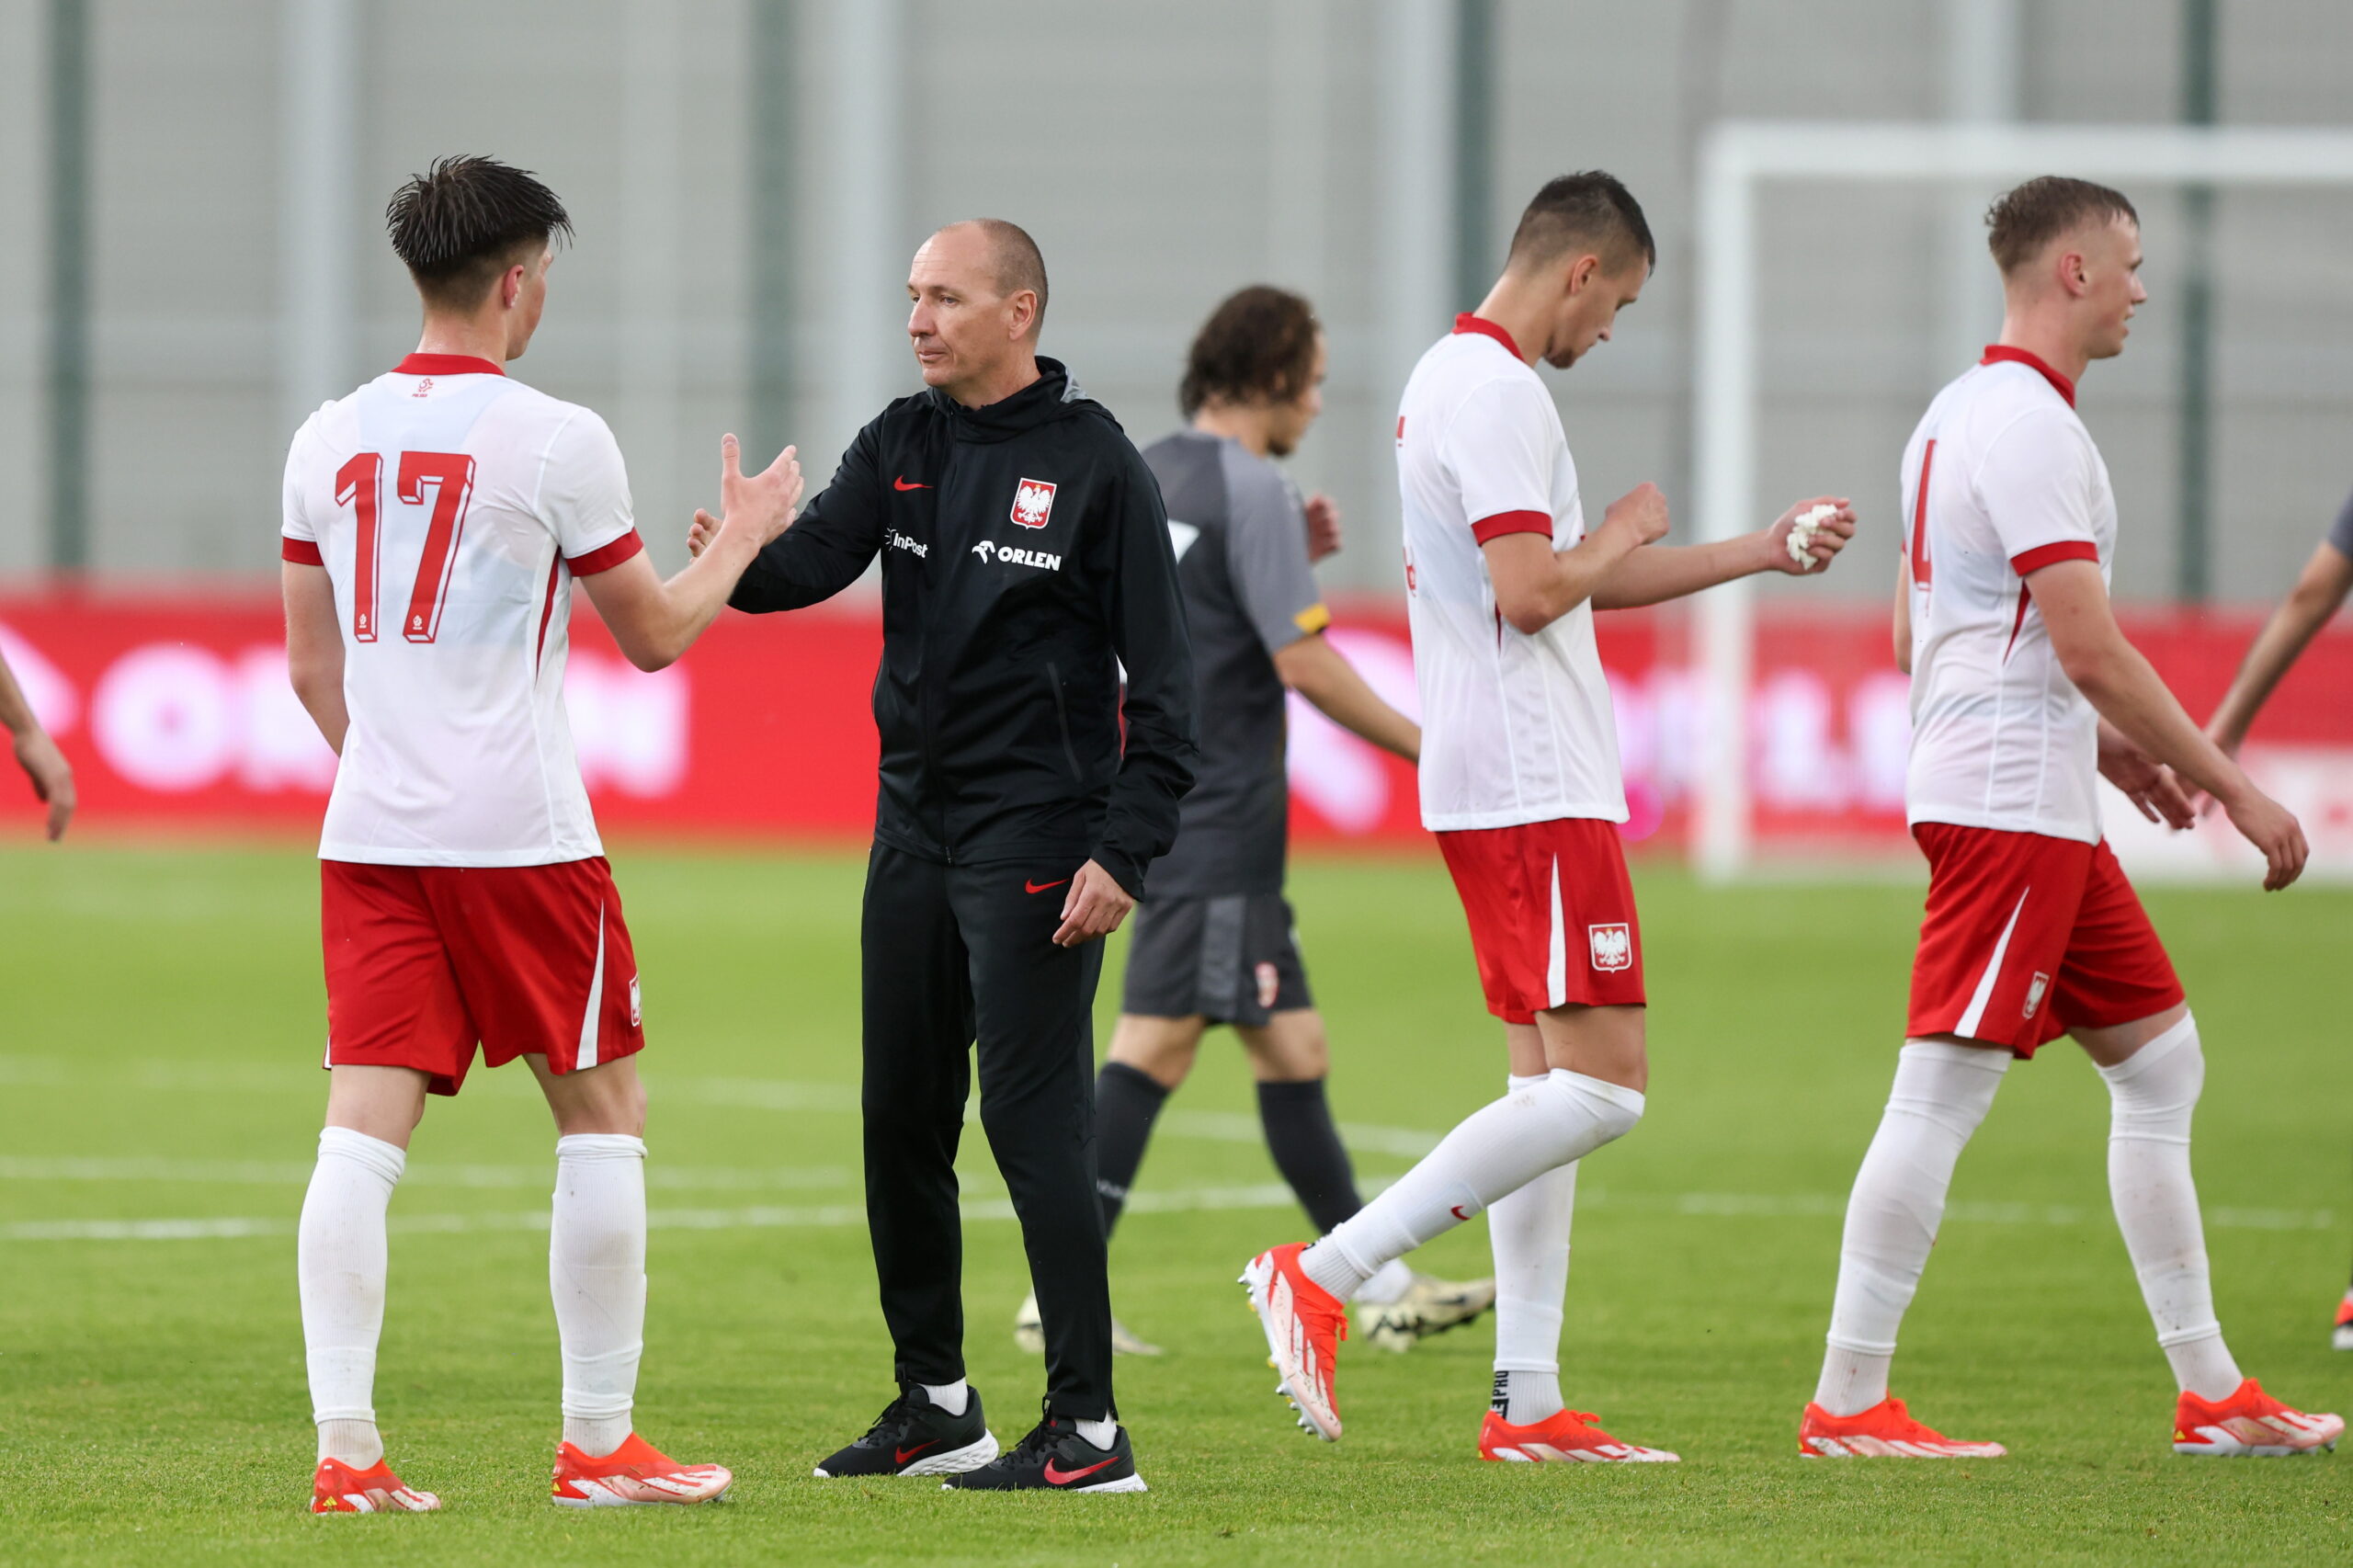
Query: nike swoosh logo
(906, 1454)
(1059, 1477)
(900, 482)
(1458, 1213)
(1041, 887)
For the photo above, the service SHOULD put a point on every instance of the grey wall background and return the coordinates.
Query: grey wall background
(749, 176)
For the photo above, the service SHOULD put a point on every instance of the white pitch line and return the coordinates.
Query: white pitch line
(1701, 1205)
(289, 1173)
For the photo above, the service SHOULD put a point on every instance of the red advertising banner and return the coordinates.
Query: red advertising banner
(176, 711)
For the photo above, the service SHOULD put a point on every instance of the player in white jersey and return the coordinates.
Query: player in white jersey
(1520, 780)
(2023, 691)
(435, 521)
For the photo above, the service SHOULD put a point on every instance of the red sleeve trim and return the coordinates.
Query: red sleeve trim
(2044, 555)
(604, 558)
(1504, 523)
(301, 552)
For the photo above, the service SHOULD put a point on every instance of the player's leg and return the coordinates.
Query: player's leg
(395, 1026)
(1999, 909)
(1033, 1024)
(1275, 1016)
(1512, 883)
(1529, 1231)
(2118, 994)
(917, 1001)
(2341, 1336)
(545, 959)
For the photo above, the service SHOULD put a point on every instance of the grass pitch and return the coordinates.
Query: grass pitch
(160, 1020)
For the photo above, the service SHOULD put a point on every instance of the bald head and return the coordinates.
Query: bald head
(1012, 258)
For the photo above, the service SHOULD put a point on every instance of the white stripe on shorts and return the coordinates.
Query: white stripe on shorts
(1967, 1029)
(588, 1021)
(1556, 963)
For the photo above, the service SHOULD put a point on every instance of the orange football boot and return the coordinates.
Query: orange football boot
(2250, 1423)
(1305, 1324)
(1569, 1436)
(337, 1488)
(634, 1473)
(1885, 1431)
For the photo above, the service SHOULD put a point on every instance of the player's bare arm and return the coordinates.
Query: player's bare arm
(654, 622)
(1535, 584)
(314, 648)
(51, 774)
(1320, 673)
(2126, 692)
(2319, 590)
(1658, 572)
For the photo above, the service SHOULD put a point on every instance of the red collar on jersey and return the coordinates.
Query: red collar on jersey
(1466, 322)
(445, 365)
(1996, 353)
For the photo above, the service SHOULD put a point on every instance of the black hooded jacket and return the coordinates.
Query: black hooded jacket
(1024, 559)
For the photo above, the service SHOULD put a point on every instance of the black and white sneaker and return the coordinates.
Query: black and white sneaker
(1054, 1457)
(914, 1437)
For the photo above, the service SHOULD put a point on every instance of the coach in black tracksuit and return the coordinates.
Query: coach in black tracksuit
(1025, 559)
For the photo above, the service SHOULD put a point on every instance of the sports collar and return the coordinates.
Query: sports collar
(1466, 322)
(445, 365)
(1999, 352)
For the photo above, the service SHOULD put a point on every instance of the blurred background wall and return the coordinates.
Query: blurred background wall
(195, 191)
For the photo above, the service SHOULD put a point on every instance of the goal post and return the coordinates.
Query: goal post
(1741, 156)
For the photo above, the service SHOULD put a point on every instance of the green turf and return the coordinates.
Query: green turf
(165, 1006)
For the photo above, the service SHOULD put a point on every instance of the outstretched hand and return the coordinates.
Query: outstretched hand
(1831, 535)
(764, 505)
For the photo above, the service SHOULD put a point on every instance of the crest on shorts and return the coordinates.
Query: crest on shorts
(2034, 990)
(1033, 503)
(1270, 985)
(636, 1016)
(1613, 947)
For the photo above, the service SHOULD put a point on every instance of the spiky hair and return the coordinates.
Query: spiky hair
(458, 225)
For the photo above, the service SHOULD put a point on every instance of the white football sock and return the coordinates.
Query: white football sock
(950, 1397)
(596, 1275)
(1497, 1149)
(1389, 1283)
(1528, 1230)
(1102, 1434)
(340, 1264)
(1943, 1091)
(2151, 1096)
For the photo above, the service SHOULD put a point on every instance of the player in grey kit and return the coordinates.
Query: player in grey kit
(2319, 591)
(1214, 942)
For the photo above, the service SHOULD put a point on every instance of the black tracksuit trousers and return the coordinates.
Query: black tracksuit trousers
(954, 955)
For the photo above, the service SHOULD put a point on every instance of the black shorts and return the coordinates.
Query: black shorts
(1232, 961)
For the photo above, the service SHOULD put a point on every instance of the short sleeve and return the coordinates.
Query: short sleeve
(2341, 533)
(1500, 450)
(584, 497)
(298, 536)
(2036, 485)
(1265, 552)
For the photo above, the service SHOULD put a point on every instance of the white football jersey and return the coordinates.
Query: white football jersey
(1515, 728)
(2000, 479)
(452, 508)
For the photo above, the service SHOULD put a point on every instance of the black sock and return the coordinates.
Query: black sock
(1307, 1150)
(1126, 1104)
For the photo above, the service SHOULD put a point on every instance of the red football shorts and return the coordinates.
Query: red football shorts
(1552, 915)
(2027, 937)
(424, 962)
